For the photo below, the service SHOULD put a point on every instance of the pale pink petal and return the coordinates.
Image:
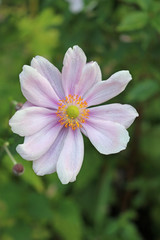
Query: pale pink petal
(91, 74)
(36, 89)
(50, 72)
(107, 137)
(26, 105)
(39, 143)
(84, 132)
(76, 5)
(105, 90)
(30, 120)
(123, 114)
(47, 163)
(74, 61)
(71, 156)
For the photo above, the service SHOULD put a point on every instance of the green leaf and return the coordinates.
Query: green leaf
(2, 141)
(34, 204)
(28, 176)
(42, 32)
(122, 228)
(143, 4)
(150, 143)
(67, 221)
(40, 232)
(91, 158)
(20, 231)
(105, 196)
(155, 7)
(134, 21)
(155, 22)
(31, 178)
(143, 91)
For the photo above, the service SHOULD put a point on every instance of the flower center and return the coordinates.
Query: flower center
(72, 111)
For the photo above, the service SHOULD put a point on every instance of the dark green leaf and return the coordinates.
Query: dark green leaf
(143, 91)
(133, 21)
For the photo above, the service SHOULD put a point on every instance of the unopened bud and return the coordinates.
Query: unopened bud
(18, 106)
(18, 169)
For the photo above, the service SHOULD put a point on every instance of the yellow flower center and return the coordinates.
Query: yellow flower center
(72, 111)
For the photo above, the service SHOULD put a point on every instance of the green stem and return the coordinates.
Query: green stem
(5, 146)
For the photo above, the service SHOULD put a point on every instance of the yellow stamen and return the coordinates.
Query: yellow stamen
(72, 111)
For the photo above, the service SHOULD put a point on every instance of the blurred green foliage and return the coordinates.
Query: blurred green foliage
(115, 197)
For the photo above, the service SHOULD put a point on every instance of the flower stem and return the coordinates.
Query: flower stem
(5, 146)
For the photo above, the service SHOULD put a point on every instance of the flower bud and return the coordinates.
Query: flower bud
(18, 169)
(18, 106)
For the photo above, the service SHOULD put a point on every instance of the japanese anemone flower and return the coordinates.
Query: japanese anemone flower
(75, 5)
(59, 109)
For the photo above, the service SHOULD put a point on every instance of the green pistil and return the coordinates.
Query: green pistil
(72, 112)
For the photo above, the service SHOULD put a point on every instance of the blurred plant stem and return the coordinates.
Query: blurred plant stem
(33, 7)
(5, 146)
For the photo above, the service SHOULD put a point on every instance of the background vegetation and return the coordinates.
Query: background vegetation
(115, 197)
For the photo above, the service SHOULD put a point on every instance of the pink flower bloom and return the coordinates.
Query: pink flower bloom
(75, 5)
(58, 110)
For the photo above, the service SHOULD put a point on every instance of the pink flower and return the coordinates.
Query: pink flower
(58, 110)
(75, 5)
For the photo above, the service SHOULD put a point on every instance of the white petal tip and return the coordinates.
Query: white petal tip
(64, 181)
(136, 113)
(38, 172)
(39, 58)
(25, 67)
(126, 75)
(10, 122)
(22, 152)
(15, 128)
(64, 175)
